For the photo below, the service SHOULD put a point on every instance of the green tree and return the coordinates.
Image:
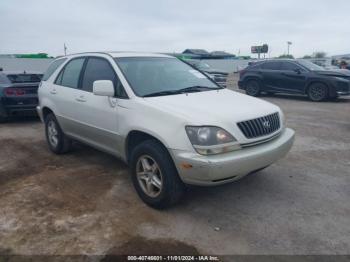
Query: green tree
(307, 57)
(286, 56)
(319, 54)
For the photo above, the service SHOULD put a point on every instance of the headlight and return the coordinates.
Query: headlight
(211, 140)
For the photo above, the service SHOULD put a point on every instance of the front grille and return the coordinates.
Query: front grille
(261, 126)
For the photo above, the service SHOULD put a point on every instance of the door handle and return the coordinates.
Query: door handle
(80, 99)
(53, 91)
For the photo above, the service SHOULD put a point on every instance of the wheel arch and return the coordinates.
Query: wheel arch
(311, 82)
(46, 110)
(135, 137)
(254, 77)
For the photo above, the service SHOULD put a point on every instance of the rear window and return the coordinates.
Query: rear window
(52, 68)
(272, 65)
(24, 78)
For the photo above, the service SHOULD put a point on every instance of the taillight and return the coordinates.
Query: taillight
(20, 92)
(14, 92)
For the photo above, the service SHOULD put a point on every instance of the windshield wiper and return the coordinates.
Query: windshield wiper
(182, 91)
(198, 88)
(164, 93)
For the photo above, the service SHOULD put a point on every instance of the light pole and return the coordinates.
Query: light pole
(289, 43)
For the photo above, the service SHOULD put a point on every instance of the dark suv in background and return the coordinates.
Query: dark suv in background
(294, 77)
(18, 93)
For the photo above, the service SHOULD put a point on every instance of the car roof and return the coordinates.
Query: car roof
(279, 60)
(116, 54)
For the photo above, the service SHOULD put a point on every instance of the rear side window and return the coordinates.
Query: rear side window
(101, 69)
(52, 68)
(290, 66)
(70, 75)
(272, 66)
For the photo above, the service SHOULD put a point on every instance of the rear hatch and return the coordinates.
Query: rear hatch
(23, 84)
(21, 90)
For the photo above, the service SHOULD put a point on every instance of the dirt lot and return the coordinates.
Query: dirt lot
(84, 202)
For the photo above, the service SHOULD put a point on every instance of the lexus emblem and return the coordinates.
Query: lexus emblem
(266, 124)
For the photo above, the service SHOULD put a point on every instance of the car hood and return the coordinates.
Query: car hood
(208, 107)
(339, 72)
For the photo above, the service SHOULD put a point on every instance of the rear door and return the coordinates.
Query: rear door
(64, 92)
(293, 77)
(271, 72)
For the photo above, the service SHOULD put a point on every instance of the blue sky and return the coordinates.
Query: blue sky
(172, 26)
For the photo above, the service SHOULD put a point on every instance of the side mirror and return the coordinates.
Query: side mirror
(297, 70)
(103, 88)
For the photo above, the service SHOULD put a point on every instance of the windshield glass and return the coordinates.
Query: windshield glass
(202, 66)
(309, 65)
(148, 75)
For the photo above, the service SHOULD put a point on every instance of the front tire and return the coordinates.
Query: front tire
(317, 92)
(154, 175)
(253, 88)
(56, 139)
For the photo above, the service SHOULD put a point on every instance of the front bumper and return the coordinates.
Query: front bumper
(342, 88)
(343, 93)
(224, 168)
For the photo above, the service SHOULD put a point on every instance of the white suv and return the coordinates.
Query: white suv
(172, 124)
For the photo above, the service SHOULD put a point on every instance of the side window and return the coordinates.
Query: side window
(290, 66)
(272, 66)
(100, 69)
(59, 78)
(52, 68)
(70, 75)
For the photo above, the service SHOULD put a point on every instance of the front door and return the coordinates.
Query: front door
(292, 78)
(98, 115)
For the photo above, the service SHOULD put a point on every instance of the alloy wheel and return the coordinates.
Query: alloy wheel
(52, 133)
(253, 88)
(317, 92)
(149, 176)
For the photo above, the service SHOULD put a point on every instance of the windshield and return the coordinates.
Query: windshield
(309, 65)
(202, 66)
(148, 75)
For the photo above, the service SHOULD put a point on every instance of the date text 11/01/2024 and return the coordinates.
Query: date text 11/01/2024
(173, 258)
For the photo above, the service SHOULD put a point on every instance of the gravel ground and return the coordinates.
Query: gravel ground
(84, 202)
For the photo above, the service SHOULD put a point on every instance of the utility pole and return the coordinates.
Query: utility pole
(65, 49)
(289, 43)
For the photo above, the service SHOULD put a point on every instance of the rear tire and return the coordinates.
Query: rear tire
(317, 92)
(253, 88)
(56, 139)
(154, 175)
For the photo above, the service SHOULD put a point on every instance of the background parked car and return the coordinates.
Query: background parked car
(18, 93)
(294, 77)
(218, 76)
